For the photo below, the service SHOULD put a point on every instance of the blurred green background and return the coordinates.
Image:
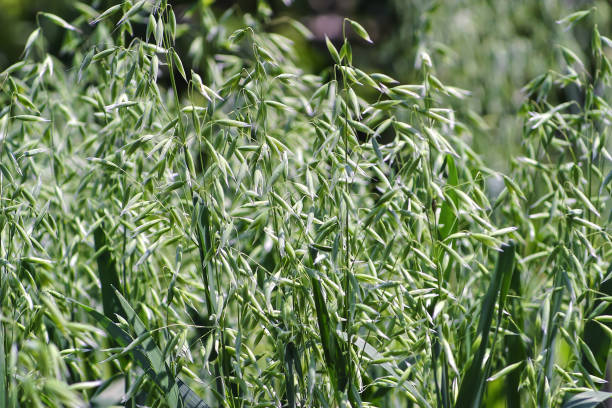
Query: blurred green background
(490, 48)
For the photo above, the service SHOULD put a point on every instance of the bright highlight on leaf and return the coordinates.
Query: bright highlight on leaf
(59, 21)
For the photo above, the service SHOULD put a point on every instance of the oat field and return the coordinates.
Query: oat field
(218, 226)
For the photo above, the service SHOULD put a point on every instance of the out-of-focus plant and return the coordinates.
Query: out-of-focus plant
(563, 217)
(491, 49)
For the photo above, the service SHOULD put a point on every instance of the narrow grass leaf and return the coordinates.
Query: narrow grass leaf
(107, 273)
(474, 377)
(588, 399)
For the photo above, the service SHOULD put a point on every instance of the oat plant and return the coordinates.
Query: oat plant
(217, 227)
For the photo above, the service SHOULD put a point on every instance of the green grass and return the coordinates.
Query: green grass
(253, 235)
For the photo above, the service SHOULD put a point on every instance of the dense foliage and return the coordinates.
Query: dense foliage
(238, 232)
